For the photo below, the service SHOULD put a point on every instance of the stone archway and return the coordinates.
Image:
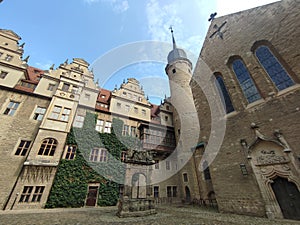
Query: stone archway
(187, 194)
(139, 186)
(269, 161)
(288, 197)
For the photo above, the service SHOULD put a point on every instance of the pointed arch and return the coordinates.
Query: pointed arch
(224, 92)
(243, 76)
(267, 56)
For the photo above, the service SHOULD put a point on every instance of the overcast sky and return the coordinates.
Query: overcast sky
(60, 29)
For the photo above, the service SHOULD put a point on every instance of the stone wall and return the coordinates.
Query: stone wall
(276, 24)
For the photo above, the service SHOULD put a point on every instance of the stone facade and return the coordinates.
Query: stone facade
(238, 36)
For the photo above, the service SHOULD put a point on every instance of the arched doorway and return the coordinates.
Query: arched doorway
(187, 195)
(288, 197)
(139, 186)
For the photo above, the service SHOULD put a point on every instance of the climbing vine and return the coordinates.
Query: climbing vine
(71, 180)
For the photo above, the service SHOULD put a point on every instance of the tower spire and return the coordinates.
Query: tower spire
(173, 39)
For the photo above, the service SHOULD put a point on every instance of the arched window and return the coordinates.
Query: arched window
(274, 69)
(247, 84)
(223, 91)
(48, 147)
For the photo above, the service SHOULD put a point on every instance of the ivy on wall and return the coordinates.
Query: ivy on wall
(71, 180)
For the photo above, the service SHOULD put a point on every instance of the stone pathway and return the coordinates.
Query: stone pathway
(169, 215)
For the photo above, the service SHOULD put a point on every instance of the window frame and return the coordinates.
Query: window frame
(11, 109)
(248, 84)
(48, 146)
(36, 115)
(275, 63)
(23, 148)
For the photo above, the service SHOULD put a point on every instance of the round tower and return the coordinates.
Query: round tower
(179, 71)
(186, 126)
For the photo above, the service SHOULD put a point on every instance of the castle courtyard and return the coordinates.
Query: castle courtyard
(175, 214)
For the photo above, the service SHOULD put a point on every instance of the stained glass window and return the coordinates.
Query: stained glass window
(273, 68)
(247, 84)
(223, 91)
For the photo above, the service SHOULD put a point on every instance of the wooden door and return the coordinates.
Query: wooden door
(91, 199)
(288, 198)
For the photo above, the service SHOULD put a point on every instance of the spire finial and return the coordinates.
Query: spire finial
(173, 39)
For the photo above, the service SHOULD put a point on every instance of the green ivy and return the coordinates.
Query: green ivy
(72, 177)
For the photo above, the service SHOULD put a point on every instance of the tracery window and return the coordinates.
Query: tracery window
(248, 87)
(274, 69)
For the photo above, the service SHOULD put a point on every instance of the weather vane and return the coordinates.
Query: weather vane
(171, 28)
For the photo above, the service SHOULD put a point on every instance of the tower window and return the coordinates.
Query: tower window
(173, 70)
(274, 69)
(248, 87)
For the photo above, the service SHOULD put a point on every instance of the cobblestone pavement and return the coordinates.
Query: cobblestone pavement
(169, 215)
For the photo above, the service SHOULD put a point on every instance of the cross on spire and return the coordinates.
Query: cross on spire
(173, 39)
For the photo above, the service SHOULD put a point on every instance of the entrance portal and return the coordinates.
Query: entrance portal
(288, 197)
(187, 194)
(91, 199)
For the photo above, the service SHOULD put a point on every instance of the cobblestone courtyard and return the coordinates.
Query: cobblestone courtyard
(166, 215)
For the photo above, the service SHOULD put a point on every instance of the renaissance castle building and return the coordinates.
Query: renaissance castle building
(228, 135)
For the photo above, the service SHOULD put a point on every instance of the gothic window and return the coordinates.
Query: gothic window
(223, 91)
(78, 122)
(274, 69)
(11, 108)
(248, 87)
(23, 148)
(206, 171)
(71, 151)
(48, 147)
(39, 113)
